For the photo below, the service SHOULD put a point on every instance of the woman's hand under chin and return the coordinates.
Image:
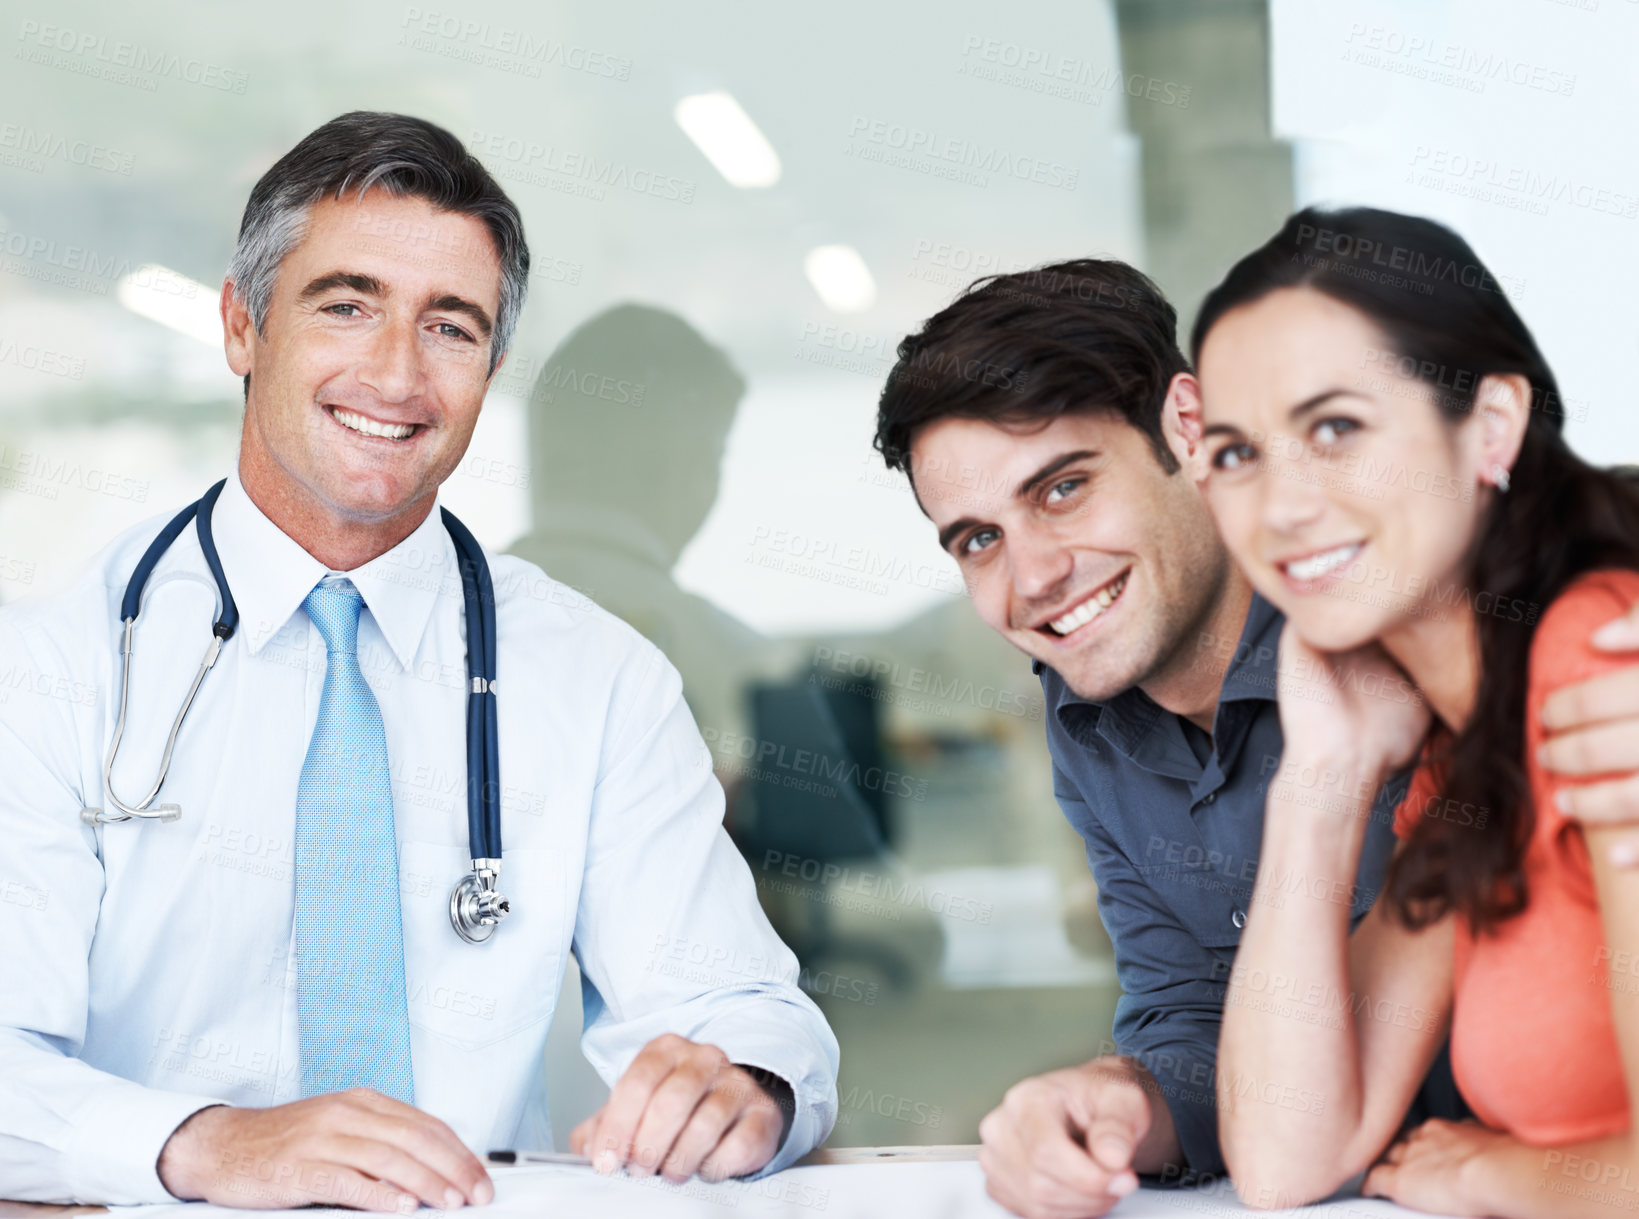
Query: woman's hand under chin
(1354, 709)
(1436, 1168)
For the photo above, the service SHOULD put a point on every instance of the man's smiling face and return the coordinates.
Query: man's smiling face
(372, 363)
(1075, 544)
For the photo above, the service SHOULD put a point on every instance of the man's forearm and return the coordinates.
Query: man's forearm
(175, 1167)
(780, 1092)
(1159, 1153)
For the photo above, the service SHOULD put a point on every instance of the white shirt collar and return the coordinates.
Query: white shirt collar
(270, 574)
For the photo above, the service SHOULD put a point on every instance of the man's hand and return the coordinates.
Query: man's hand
(1593, 729)
(356, 1148)
(682, 1108)
(1069, 1144)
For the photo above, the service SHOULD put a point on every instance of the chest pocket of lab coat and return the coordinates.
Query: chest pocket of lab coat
(474, 995)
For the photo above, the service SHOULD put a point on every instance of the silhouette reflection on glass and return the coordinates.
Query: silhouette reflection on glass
(817, 740)
(627, 424)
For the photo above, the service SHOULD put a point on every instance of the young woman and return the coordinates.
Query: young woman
(1387, 466)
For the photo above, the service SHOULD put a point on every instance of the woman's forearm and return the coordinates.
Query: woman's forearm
(1597, 1179)
(1289, 1087)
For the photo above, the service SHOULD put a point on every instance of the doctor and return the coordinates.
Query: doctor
(264, 1003)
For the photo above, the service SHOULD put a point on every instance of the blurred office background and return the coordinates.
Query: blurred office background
(735, 212)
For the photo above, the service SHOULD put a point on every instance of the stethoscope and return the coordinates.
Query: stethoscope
(475, 904)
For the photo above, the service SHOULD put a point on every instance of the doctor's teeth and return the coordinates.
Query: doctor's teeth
(1318, 565)
(1090, 608)
(392, 431)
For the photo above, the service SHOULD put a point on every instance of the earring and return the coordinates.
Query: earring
(1499, 476)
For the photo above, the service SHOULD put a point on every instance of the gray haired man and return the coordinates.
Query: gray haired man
(178, 1034)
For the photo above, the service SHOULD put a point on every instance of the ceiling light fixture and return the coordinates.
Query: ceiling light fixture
(725, 133)
(841, 278)
(172, 299)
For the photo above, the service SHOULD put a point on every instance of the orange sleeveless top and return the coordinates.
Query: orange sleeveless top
(1533, 1046)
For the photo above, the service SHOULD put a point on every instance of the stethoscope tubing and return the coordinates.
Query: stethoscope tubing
(483, 753)
(483, 736)
(227, 621)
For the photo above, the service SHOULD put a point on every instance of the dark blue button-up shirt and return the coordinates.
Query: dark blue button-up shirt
(1173, 826)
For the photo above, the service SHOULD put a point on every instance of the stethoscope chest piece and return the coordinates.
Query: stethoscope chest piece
(476, 906)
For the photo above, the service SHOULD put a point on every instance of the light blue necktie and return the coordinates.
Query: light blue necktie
(350, 996)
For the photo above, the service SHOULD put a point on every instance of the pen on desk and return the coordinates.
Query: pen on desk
(538, 1157)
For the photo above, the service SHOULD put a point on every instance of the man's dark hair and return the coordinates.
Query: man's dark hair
(1086, 336)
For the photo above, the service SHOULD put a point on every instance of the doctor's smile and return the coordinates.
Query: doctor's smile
(376, 429)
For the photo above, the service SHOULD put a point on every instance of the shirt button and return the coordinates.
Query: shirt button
(1239, 919)
(1209, 798)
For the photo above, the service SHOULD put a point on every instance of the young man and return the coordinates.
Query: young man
(1051, 431)
(264, 1002)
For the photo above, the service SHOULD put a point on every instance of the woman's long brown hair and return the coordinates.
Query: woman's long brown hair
(1447, 322)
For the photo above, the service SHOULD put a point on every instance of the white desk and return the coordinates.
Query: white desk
(906, 1188)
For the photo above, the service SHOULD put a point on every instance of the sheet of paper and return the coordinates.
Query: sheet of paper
(947, 1190)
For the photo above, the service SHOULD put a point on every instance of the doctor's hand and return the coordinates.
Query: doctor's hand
(1593, 729)
(682, 1108)
(356, 1148)
(1070, 1144)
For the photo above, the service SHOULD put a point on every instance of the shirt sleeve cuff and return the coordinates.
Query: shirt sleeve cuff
(1195, 1118)
(1185, 1075)
(114, 1156)
(813, 1091)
